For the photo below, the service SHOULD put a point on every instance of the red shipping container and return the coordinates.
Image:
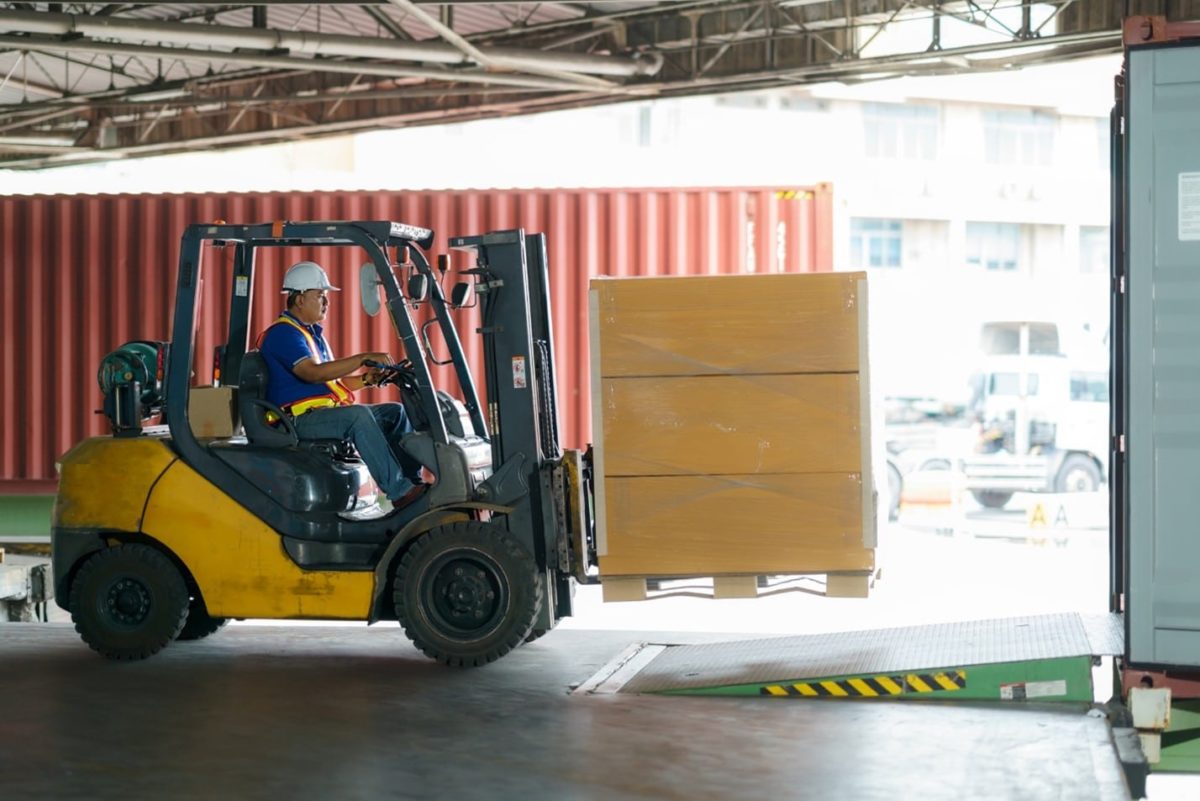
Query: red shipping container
(82, 274)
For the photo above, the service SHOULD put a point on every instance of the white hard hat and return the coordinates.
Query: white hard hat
(304, 275)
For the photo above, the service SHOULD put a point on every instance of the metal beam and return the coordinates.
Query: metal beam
(27, 86)
(361, 2)
(491, 61)
(445, 31)
(132, 31)
(285, 134)
(289, 62)
(387, 23)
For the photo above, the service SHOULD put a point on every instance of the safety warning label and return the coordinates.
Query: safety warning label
(1033, 689)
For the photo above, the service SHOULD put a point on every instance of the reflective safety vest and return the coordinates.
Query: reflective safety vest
(339, 394)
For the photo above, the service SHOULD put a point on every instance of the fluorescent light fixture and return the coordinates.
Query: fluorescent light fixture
(36, 140)
(89, 154)
(156, 95)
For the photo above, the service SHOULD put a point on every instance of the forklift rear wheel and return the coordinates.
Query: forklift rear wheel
(467, 593)
(992, 499)
(128, 602)
(200, 623)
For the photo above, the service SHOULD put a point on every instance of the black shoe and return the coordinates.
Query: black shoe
(410, 497)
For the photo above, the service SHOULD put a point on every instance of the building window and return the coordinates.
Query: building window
(875, 243)
(894, 131)
(993, 246)
(746, 100)
(1009, 384)
(1093, 249)
(802, 102)
(1090, 387)
(1023, 138)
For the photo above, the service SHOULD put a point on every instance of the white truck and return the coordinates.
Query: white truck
(1043, 419)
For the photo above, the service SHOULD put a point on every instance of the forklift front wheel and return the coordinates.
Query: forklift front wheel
(467, 593)
(128, 602)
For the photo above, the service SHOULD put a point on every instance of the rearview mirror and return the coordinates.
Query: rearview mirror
(460, 294)
(418, 288)
(368, 285)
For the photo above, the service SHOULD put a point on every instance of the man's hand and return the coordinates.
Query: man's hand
(363, 358)
(372, 377)
(313, 373)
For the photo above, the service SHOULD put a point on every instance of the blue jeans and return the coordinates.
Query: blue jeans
(375, 430)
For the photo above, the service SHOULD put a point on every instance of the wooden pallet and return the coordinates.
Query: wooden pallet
(856, 584)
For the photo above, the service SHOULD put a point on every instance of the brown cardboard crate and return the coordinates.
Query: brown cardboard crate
(756, 424)
(714, 325)
(706, 525)
(731, 426)
(212, 413)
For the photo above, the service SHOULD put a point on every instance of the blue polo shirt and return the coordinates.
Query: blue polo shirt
(283, 347)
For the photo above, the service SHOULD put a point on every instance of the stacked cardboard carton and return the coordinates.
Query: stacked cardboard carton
(731, 424)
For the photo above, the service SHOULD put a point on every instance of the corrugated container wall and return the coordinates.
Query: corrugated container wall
(82, 274)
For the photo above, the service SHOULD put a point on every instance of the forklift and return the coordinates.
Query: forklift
(159, 534)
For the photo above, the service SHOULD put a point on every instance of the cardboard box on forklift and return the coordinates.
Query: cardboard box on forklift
(731, 425)
(212, 412)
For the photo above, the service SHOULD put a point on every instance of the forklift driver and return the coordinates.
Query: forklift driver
(317, 390)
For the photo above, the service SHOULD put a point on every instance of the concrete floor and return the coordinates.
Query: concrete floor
(307, 712)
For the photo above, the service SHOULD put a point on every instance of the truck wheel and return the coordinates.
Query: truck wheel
(895, 489)
(1077, 474)
(199, 623)
(992, 499)
(467, 593)
(128, 602)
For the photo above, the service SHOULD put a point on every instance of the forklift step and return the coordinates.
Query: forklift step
(1045, 657)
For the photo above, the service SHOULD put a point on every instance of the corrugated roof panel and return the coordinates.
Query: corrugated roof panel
(478, 18)
(166, 11)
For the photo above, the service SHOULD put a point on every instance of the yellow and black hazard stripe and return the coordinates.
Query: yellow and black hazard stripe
(793, 194)
(872, 686)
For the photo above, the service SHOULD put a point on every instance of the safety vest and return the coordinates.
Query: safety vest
(338, 395)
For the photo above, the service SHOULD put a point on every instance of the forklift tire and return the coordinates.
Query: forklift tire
(992, 499)
(467, 593)
(128, 602)
(199, 623)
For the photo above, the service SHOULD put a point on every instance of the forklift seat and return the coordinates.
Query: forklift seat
(301, 475)
(255, 408)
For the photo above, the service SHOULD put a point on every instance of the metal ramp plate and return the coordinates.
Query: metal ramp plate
(1045, 656)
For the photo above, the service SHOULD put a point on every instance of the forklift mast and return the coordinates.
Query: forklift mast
(512, 283)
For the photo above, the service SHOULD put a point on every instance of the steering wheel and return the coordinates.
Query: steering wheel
(399, 374)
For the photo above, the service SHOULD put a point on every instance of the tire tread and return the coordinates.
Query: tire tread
(488, 534)
(152, 560)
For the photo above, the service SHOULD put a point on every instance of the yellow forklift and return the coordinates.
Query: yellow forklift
(160, 534)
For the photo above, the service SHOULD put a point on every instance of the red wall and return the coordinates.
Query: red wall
(79, 275)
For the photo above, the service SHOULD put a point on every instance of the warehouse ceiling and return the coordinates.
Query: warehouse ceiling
(94, 81)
